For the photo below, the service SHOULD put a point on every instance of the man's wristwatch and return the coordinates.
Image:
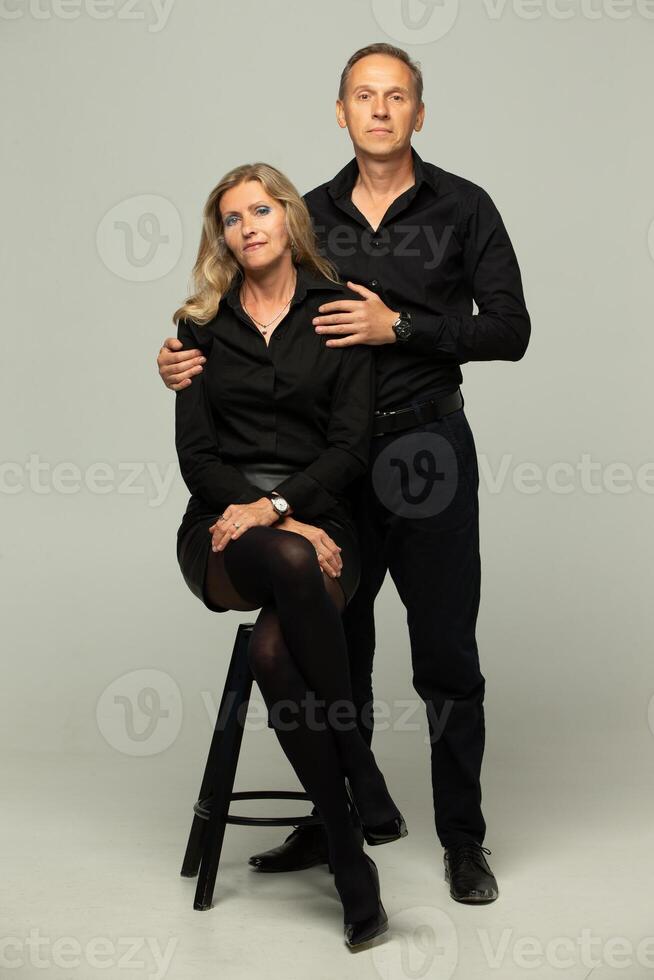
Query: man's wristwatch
(279, 503)
(402, 327)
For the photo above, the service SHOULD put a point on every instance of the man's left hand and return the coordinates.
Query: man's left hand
(357, 321)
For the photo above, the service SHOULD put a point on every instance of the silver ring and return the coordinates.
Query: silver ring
(236, 524)
(221, 517)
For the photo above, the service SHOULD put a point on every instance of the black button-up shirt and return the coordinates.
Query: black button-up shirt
(440, 245)
(293, 400)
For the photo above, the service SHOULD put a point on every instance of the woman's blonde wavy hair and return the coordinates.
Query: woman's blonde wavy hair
(216, 268)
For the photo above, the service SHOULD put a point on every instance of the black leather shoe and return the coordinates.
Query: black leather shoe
(466, 869)
(305, 847)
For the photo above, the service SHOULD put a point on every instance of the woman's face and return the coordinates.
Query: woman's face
(254, 226)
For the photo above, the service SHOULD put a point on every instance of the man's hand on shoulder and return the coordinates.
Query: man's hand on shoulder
(357, 321)
(177, 366)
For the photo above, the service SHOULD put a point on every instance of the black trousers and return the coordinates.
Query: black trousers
(417, 513)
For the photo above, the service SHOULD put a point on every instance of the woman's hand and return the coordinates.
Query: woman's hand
(261, 512)
(328, 552)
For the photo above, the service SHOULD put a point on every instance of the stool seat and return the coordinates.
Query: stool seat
(211, 811)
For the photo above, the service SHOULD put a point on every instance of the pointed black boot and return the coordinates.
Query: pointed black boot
(359, 932)
(383, 832)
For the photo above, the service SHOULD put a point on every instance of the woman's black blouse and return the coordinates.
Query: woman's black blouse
(294, 400)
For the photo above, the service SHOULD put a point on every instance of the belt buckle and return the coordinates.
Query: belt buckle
(380, 417)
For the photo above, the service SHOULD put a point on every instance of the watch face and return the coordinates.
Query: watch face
(403, 330)
(279, 504)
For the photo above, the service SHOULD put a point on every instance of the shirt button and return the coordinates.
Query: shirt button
(374, 283)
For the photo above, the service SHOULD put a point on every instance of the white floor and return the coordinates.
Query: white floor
(93, 847)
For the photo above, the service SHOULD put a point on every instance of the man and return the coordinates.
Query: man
(419, 245)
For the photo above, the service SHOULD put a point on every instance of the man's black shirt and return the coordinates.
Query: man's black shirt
(440, 245)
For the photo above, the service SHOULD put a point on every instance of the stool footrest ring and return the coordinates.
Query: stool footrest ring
(202, 809)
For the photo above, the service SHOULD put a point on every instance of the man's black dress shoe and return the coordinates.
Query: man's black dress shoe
(305, 847)
(466, 869)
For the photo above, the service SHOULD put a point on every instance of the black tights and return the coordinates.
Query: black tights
(298, 646)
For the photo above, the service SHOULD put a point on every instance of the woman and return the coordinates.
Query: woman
(270, 438)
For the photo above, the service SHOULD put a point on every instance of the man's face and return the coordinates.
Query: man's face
(379, 106)
(254, 225)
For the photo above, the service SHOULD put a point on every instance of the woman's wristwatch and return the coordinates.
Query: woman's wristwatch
(279, 503)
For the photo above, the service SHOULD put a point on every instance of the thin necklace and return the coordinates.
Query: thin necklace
(264, 326)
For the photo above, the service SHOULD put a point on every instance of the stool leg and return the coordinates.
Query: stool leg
(221, 767)
(193, 854)
(229, 699)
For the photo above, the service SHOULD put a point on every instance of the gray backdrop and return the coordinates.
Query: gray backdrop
(118, 121)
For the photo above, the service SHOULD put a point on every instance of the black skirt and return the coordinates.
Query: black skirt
(194, 540)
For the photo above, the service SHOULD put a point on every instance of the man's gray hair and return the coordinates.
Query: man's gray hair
(382, 48)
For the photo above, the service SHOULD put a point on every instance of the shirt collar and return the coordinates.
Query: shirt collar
(306, 279)
(345, 179)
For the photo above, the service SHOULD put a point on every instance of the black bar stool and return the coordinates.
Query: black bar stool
(208, 828)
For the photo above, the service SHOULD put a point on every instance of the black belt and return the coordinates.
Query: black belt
(416, 413)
